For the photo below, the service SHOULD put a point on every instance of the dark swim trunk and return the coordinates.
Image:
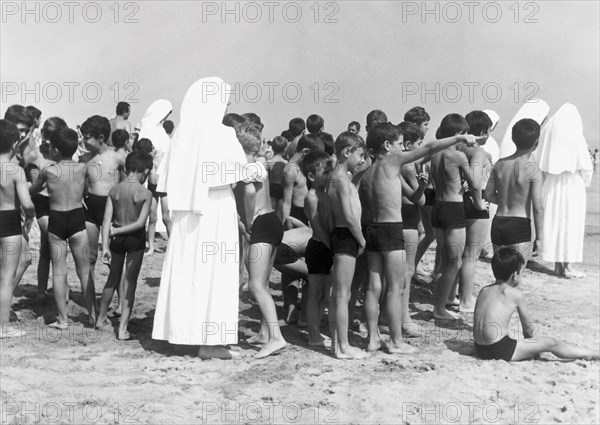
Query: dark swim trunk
(267, 228)
(129, 242)
(276, 190)
(510, 230)
(41, 203)
(429, 196)
(343, 242)
(385, 237)
(472, 213)
(65, 224)
(285, 255)
(10, 223)
(152, 188)
(448, 215)
(410, 217)
(319, 258)
(500, 350)
(94, 208)
(298, 213)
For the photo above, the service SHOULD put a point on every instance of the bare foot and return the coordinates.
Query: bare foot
(410, 330)
(351, 353)
(103, 323)
(444, 315)
(400, 348)
(215, 352)
(257, 339)
(376, 345)
(271, 348)
(149, 252)
(124, 335)
(14, 332)
(467, 308)
(573, 274)
(58, 325)
(319, 343)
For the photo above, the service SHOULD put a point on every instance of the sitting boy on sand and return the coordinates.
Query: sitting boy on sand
(495, 306)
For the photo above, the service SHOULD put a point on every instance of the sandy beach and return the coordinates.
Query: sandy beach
(87, 376)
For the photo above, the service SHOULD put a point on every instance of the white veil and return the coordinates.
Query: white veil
(536, 109)
(562, 145)
(203, 152)
(491, 146)
(151, 124)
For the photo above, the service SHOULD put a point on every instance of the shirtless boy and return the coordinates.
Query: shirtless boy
(494, 308)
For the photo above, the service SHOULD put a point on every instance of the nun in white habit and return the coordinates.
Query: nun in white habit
(198, 296)
(563, 157)
(535, 109)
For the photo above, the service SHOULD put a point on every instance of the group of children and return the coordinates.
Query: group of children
(377, 201)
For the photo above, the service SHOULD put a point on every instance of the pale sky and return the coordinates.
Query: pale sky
(378, 55)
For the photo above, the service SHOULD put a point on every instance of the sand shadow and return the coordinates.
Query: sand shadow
(464, 348)
(152, 282)
(536, 267)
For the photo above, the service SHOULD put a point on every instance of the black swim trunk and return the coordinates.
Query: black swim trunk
(510, 230)
(65, 224)
(410, 217)
(298, 213)
(267, 228)
(385, 237)
(429, 196)
(343, 242)
(285, 255)
(448, 215)
(319, 258)
(276, 190)
(10, 223)
(472, 213)
(94, 208)
(155, 194)
(500, 350)
(129, 242)
(41, 203)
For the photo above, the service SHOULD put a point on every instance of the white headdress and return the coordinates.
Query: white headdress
(491, 146)
(536, 109)
(152, 127)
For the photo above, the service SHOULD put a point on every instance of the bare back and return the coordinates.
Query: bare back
(494, 307)
(446, 172)
(11, 174)
(104, 172)
(66, 183)
(512, 180)
(128, 198)
(292, 172)
(381, 191)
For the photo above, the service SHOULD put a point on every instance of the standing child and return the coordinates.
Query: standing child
(66, 182)
(124, 236)
(347, 241)
(495, 306)
(14, 197)
(316, 167)
(266, 233)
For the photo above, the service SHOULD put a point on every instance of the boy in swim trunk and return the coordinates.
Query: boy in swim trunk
(346, 239)
(495, 306)
(14, 197)
(124, 237)
(66, 182)
(515, 185)
(266, 233)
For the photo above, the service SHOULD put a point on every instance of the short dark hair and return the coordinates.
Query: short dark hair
(347, 139)
(354, 124)
(380, 133)
(168, 126)
(249, 136)
(96, 126)
(451, 125)
(410, 131)
(375, 117)
(122, 107)
(9, 135)
(417, 115)
(311, 162)
(65, 140)
(286, 134)
(328, 142)
(296, 127)
(138, 162)
(525, 133)
(119, 138)
(312, 142)
(17, 114)
(251, 117)
(315, 123)
(278, 144)
(479, 122)
(143, 145)
(51, 125)
(232, 120)
(505, 262)
(34, 112)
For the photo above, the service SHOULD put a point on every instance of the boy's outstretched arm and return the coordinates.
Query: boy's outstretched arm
(435, 146)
